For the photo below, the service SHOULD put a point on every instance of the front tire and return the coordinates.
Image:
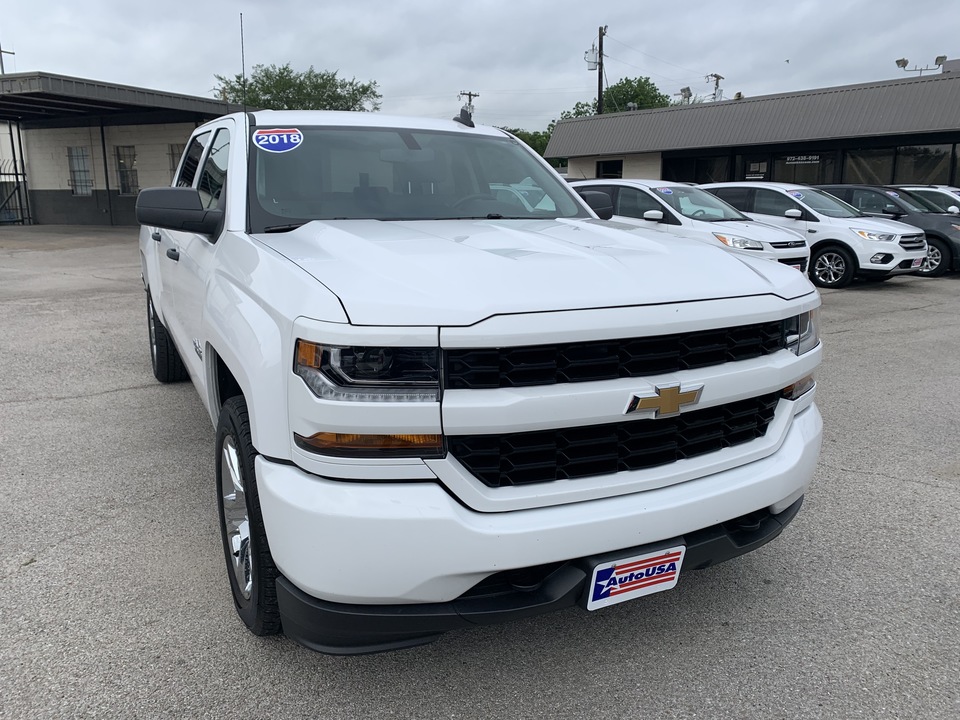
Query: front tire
(166, 362)
(250, 567)
(832, 267)
(937, 260)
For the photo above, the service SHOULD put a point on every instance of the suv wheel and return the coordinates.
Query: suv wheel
(937, 260)
(831, 267)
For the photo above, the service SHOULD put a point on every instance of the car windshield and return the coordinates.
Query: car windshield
(698, 204)
(824, 203)
(916, 203)
(943, 200)
(339, 173)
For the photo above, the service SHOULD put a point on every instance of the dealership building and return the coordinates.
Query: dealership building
(78, 151)
(894, 131)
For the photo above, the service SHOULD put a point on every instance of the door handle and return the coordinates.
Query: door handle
(156, 235)
(173, 254)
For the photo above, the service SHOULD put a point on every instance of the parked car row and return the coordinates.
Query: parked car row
(834, 232)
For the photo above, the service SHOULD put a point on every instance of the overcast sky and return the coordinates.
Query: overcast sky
(525, 59)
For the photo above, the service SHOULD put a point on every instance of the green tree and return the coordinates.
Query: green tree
(273, 87)
(639, 90)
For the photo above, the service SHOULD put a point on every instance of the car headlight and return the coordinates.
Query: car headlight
(803, 332)
(876, 236)
(369, 374)
(741, 243)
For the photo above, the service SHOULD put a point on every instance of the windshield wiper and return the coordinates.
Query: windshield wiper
(283, 228)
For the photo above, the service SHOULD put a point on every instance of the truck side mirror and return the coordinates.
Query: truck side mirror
(599, 202)
(176, 208)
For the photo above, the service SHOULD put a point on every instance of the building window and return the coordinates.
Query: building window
(127, 169)
(81, 181)
(924, 164)
(868, 167)
(174, 150)
(609, 168)
(804, 168)
(712, 169)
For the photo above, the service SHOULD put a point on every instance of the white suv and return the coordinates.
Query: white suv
(843, 241)
(678, 209)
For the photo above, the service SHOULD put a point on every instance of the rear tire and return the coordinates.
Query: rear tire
(166, 362)
(937, 260)
(832, 267)
(250, 567)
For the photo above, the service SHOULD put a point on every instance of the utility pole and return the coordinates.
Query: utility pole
(717, 93)
(470, 96)
(603, 31)
(2, 53)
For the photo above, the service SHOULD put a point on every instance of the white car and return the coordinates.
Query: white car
(685, 211)
(438, 407)
(844, 242)
(945, 197)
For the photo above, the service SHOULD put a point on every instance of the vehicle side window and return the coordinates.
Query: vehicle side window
(634, 203)
(214, 174)
(736, 196)
(191, 160)
(770, 202)
(871, 201)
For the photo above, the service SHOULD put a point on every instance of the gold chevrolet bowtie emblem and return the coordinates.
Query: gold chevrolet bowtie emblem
(667, 401)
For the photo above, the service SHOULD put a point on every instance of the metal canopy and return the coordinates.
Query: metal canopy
(39, 99)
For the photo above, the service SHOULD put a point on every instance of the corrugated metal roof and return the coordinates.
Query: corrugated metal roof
(36, 96)
(908, 105)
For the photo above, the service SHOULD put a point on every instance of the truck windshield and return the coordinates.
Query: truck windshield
(329, 173)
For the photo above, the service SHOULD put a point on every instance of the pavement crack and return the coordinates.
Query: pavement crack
(80, 396)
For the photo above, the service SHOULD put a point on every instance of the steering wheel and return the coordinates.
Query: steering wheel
(472, 198)
(698, 213)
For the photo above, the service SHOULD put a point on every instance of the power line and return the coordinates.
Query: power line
(665, 62)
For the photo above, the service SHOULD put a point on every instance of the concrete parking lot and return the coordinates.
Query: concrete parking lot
(114, 600)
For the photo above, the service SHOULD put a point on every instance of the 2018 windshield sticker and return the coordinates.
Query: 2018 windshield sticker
(278, 140)
(891, 193)
(665, 191)
(797, 194)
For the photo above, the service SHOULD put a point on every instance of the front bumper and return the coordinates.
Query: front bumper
(342, 629)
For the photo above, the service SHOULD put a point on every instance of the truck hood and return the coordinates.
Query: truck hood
(459, 272)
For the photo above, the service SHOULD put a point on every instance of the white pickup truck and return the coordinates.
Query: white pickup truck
(438, 405)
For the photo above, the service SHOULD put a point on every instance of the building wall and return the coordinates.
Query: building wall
(645, 165)
(52, 197)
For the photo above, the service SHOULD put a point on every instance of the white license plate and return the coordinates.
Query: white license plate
(632, 577)
(917, 262)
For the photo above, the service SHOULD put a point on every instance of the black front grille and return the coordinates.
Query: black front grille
(547, 455)
(788, 244)
(528, 365)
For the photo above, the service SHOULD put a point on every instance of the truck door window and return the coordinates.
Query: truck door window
(214, 173)
(191, 160)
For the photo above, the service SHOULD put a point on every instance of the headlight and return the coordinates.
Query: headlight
(803, 332)
(871, 235)
(739, 242)
(369, 374)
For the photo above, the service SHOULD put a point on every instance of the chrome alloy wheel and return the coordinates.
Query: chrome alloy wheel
(932, 261)
(830, 267)
(236, 522)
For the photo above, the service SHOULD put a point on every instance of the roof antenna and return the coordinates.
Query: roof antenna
(466, 112)
(243, 68)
